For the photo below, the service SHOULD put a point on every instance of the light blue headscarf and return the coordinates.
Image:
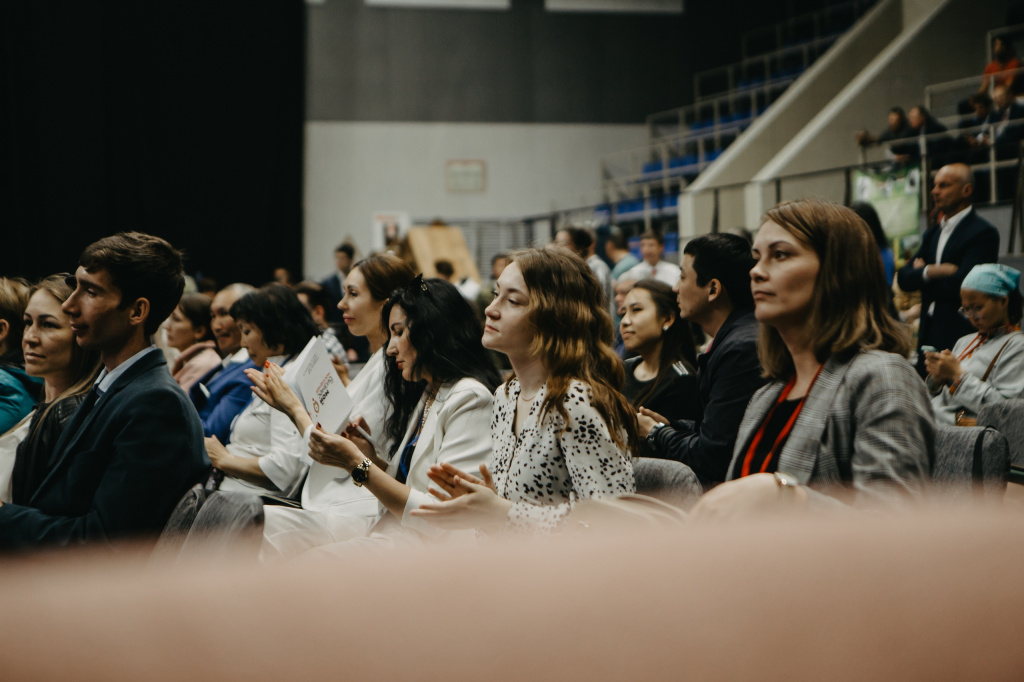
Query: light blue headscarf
(993, 279)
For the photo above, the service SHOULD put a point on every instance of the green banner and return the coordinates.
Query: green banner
(896, 195)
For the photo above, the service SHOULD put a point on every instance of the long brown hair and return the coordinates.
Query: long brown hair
(849, 308)
(85, 364)
(574, 338)
(676, 342)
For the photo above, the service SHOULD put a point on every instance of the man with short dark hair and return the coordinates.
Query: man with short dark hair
(135, 445)
(713, 291)
(948, 251)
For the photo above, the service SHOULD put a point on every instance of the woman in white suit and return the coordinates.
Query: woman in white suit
(845, 416)
(439, 382)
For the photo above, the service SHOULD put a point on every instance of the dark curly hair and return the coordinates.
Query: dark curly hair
(280, 316)
(445, 331)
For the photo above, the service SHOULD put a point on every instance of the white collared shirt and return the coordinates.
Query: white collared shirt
(948, 225)
(240, 355)
(945, 232)
(106, 379)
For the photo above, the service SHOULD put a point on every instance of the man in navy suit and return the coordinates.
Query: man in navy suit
(224, 391)
(135, 445)
(949, 250)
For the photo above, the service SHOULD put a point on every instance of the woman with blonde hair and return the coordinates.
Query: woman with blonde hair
(845, 414)
(561, 429)
(67, 372)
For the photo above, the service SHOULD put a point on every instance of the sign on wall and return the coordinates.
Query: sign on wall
(465, 175)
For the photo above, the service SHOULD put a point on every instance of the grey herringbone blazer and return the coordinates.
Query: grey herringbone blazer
(865, 434)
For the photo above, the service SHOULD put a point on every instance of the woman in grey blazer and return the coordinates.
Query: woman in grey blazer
(845, 416)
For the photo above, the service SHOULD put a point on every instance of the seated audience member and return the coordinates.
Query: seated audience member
(869, 215)
(662, 377)
(223, 392)
(439, 383)
(977, 128)
(1007, 124)
(562, 431)
(188, 332)
(316, 300)
(713, 291)
(988, 366)
(334, 508)
(652, 246)
(618, 253)
(948, 251)
(622, 287)
(922, 123)
(264, 448)
(898, 129)
(134, 446)
(283, 276)
(1001, 69)
(498, 263)
(845, 416)
(67, 372)
(581, 241)
(334, 283)
(18, 391)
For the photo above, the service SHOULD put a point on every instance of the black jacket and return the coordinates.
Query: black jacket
(119, 468)
(729, 374)
(973, 241)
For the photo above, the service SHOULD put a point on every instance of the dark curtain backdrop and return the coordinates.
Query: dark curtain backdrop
(184, 120)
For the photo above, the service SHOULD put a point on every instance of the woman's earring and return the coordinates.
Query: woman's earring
(665, 328)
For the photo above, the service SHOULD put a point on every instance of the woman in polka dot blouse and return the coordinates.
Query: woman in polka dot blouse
(560, 427)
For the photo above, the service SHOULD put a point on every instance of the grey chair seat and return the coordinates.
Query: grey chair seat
(972, 460)
(671, 482)
(1007, 417)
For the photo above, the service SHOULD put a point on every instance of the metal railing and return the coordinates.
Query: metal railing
(943, 99)
(929, 155)
(786, 61)
(819, 23)
(740, 107)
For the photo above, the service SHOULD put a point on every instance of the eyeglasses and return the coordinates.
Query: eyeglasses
(970, 311)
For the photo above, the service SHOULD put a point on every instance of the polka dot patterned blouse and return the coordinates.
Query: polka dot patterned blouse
(542, 472)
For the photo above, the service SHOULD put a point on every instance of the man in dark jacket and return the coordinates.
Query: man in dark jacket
(961, 240)
(714, 292)
(135, 445)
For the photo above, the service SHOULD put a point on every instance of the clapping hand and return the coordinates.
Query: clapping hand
(270, 387)
(465, 501)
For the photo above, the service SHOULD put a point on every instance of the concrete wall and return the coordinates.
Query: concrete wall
(354, 169)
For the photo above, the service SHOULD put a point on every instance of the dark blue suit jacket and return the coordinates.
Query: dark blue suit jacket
(118, 469)
(974, 241)
(229, 391)
(332, 285)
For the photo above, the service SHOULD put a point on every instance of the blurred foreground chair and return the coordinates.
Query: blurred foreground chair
(971, 460)
(212, 525)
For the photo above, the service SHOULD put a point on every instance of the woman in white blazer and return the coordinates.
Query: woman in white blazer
(439, 382)
(333, 508)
